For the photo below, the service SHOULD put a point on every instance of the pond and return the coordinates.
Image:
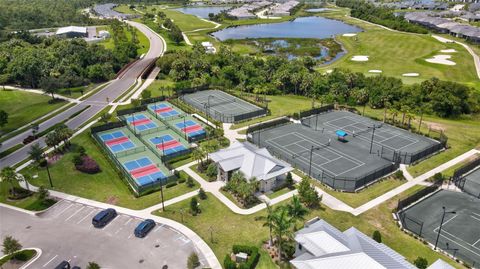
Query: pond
(305, 27)
(314, 10)
(202, 12)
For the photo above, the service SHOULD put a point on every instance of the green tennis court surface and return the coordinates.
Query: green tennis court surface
(223, 106)
(460, 234)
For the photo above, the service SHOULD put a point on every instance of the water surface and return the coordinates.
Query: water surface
(201, 12)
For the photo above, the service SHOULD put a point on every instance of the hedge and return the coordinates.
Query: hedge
(251, 263)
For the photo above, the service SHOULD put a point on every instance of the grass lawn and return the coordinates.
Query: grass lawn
(230, 228)
(143, 42)
(23, 256)
(24, 107)
(279, 192)
(397, 53)
(281, 105)
(359, 198)
(29, 203)
(155, 87)
(106, 186)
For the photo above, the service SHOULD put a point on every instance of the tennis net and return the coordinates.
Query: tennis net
(314, 147)
(367, 130)
(220, 103)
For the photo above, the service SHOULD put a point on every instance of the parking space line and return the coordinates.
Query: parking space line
(50, 261)
(118, 230)
(76, 212)
(129, 219)
(86, 216)
(63, 210)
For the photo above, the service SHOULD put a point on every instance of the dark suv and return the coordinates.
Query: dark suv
(144, 227)
(63, 265)
(104, 217)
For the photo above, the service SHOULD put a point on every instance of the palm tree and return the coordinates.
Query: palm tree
(267, 221)
(296, 210)
(394, 113)
(9, 175)
(64, 133)
(52, 139)
(282, 225)
(198, 155)
(410, 117)
(36, 152)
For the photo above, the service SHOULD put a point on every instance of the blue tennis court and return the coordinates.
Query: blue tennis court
(141, 122)
(163, 110)
(144, 171)
(191, 128)
(117, 141)
(167, 144)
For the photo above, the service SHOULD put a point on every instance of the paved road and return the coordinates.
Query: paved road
(96, 102)
(65, 232)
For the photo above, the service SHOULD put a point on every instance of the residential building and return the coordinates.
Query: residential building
(320, 245)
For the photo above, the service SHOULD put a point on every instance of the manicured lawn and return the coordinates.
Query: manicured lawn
(24, 107)
(397, 53)
(186, 22)
(106, 186)
(230, 228)
(279, 192)
(143, 42)
(155, 87)
(357, 199)
(281, 105)
(22, 255)
(28, 203)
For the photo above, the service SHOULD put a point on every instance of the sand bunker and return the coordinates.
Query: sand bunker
(441, 59)
(375, 71)
(411, 74)
(448, 51)
(349, 34)
(360, 58)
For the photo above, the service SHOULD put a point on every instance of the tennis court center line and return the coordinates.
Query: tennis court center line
(459, 244)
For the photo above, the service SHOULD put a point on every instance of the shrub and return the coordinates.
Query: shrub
(253, 256)
(377, 236)
(211, 170)
(81, 150)
(289, 181)
(399, 175)
(181, 180)
(43, 193)
(190, 182)
(307, 193)
(88, 165)
(420, 262)
(201, 194)
(228, 263)
(42, 162)
(438, 178)
(77, 159)
(194, 208)
(171, 184)
(193, 261)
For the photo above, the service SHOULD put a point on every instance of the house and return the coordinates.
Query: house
(320, 245)
(209, 48)
(104, 34)
(253, 162)
(72, 32)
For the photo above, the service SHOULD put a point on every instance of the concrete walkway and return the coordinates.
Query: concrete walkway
(231, 134)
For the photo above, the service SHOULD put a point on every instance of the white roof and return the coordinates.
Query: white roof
(71, 29)
(355, 260)
(251, 161)
(207, 44)
(321, 243)
(440, 264)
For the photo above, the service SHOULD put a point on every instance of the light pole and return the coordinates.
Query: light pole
(163, 145)
(48, 171)
(161, 193)
(208, 106)
(133, 123)
(441, 224)
(373, 135)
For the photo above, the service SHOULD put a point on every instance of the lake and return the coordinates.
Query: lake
(201, 12)
(306, 27)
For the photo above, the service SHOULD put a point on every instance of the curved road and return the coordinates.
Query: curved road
(97, 101)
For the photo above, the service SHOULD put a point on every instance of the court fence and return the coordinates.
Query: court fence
(460, 178)
(343, 183)
(106, 127)
(411, 223)
(404, 203)
(267, 125)
(132, 110)
(153, 100)
(313, 111)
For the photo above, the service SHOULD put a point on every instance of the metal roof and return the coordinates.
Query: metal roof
(71, 29)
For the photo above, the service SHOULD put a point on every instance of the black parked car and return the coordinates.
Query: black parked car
(104, 217)
(144, 227)
(63, 265)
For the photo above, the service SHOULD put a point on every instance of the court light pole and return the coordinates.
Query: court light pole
(441, 224)
(133, 123)
(161, 193)
(184, 126)
(371, 141)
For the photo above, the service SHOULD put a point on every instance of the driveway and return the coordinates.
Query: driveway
(65, 232)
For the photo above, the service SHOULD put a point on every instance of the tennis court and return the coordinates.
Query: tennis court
(460, 234)
(388, 140)
(223, 106)
(117, 141)
(166, 142)
(345, 166)
(140, 122)
(165, 110)
(470, 183)
(144, 171)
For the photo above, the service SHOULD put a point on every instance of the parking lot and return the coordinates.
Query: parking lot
(65, 232)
